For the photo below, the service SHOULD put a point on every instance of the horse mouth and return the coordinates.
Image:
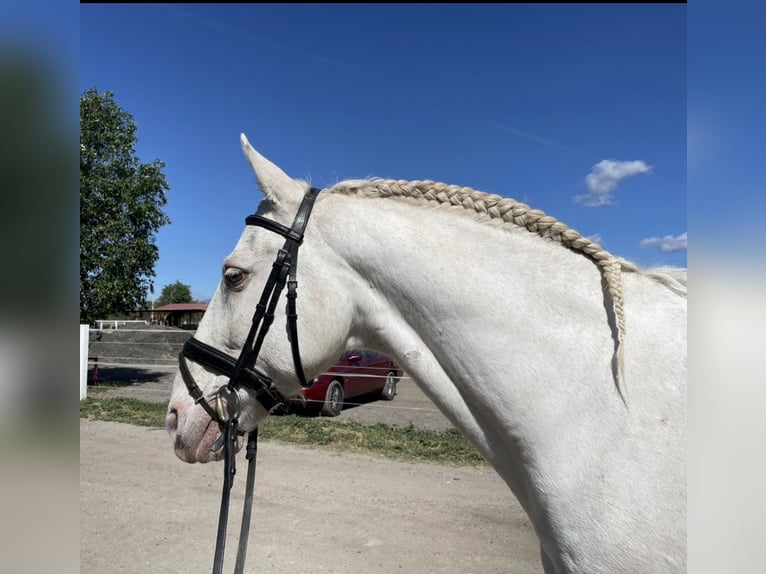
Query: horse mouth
(207, 448)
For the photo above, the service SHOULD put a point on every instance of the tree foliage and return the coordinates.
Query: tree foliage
(121, 203)
(175, 293)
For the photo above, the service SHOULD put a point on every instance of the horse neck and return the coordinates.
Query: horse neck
(478, 316)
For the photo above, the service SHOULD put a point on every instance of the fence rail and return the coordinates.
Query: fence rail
(116, 323)
(147, 349)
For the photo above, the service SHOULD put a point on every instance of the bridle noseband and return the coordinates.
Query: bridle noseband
(242, 371)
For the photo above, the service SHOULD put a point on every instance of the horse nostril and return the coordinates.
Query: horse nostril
(171, 422)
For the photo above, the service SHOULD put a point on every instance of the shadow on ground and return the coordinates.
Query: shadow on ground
(125, 376)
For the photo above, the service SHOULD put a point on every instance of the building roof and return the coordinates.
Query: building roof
(182, 307)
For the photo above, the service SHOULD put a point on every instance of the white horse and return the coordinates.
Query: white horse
(564, 366)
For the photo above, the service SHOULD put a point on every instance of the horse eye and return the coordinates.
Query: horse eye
(234, 277)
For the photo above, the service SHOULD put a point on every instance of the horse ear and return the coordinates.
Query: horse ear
(278, 188)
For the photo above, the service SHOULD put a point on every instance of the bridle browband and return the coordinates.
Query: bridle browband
(243, 373)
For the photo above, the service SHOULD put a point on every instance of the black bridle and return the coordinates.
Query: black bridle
(242, 371)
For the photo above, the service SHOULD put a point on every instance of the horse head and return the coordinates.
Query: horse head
(226, 336)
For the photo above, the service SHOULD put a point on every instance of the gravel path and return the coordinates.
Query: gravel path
(143, 511)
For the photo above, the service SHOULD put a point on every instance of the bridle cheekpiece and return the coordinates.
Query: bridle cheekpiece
(243, 373)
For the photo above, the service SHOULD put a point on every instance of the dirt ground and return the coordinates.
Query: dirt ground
(143, 511)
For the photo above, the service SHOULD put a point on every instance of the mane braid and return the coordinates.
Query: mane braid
(521, 215)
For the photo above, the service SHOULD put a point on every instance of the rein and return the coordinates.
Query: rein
(242, 371)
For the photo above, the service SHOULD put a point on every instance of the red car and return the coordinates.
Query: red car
(357, 373)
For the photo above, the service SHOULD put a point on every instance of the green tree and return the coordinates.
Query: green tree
(175, 293)
(121, 203)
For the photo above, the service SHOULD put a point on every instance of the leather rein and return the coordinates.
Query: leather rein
(242, 371)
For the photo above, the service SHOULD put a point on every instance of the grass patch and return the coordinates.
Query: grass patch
(407, 443)
(124, 410)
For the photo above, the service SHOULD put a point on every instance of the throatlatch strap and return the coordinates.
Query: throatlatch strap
(292, 332)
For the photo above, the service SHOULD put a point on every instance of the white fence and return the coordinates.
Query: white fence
(115, 324)
(130, 354)
(84, 336)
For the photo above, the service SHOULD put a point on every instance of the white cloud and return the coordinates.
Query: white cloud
(603, 180)
(666, 244)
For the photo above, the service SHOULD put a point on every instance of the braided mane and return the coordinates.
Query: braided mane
(519, 214)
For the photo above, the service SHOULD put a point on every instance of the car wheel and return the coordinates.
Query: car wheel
(388, 392)
(333, 400)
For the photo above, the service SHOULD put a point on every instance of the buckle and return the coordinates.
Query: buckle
(227, 405)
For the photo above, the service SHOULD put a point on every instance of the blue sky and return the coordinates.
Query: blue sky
(578, 110)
